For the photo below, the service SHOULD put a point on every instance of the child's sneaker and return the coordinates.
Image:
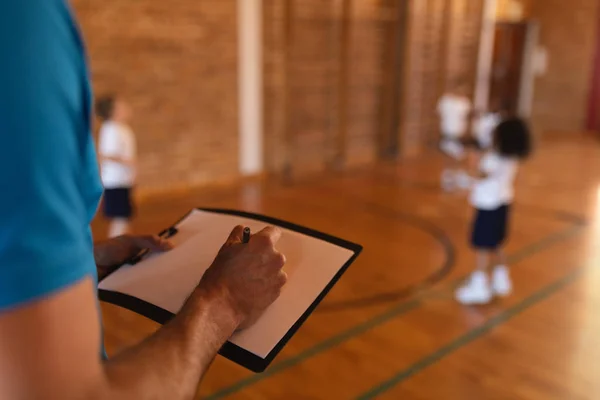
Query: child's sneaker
(501, 283)
(475, 291)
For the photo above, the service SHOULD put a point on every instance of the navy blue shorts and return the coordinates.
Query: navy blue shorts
(490, 227)
(117, 203)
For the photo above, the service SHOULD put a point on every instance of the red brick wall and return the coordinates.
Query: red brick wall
(176, 63)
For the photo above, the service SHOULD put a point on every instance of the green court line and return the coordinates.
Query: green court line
(380, 319)
(472, 335)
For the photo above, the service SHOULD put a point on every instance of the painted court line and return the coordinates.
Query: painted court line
(380, 319)
(472, 335)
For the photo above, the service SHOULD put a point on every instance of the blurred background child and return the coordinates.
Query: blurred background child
(453, 110)
(117, 156)
(492, 196)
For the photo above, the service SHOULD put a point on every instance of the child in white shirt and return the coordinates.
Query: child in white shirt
(453, 110)
(492, 196)
(117, 153)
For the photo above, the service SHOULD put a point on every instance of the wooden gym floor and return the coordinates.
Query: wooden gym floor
(390, 329)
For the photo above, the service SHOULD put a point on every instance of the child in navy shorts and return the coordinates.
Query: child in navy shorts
(117, 153)
(492, 196)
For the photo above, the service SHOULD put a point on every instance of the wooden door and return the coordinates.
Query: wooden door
(507, 65)
(593, 115)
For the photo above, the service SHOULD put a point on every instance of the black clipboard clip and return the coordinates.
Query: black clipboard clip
(165, 234)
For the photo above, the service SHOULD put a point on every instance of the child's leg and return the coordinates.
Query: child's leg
(483, 260)
(477, 289)
(501, 282)
(451, 173)
(500, 257)
(120, 209)
(462, 178)
(118, 227)
(448, 181)
(447, 177)
(454, 176)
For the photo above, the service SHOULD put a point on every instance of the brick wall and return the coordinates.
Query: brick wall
(425, 75)
(176, 63)
(569, 33)
(306, 137)
(369, 42)
(443, 46)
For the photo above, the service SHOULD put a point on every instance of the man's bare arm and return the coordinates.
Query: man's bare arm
(171, 363)
(50, 348)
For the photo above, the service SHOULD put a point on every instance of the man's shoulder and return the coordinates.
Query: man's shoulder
(33, 15)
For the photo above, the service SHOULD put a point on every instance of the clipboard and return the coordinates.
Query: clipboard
(236, 349)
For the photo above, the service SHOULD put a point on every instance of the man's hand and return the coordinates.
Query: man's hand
(247, 277)
(114, 252)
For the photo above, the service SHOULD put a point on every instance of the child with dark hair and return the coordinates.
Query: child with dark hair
(117, 154)
(492, 195)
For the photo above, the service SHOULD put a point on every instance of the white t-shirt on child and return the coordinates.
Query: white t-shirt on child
(483, 129)
(497, 188)
(454, 112)
(116, 140)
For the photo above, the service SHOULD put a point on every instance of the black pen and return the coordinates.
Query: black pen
(246, 235)
(167, 233)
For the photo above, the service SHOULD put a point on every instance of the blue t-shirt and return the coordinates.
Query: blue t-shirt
(49, 181)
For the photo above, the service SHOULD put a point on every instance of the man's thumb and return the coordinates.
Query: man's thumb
(235, 236)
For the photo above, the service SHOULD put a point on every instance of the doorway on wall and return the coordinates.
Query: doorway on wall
(512, 76)
(593, 114)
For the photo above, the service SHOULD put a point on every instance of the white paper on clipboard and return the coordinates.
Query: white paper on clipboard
(166, 280)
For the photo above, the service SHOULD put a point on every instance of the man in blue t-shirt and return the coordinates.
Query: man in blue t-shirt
(50, 338)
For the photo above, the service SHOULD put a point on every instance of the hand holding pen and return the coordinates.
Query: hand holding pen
(252, 274)
(246, 235)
